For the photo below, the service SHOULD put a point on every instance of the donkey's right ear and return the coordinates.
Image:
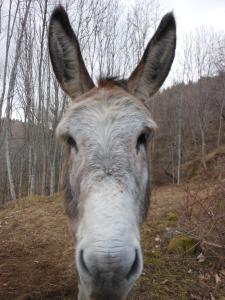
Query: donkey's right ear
(65, 54)
(156, 61)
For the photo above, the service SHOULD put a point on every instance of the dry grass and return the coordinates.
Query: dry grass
(215, 161)
(36, 254)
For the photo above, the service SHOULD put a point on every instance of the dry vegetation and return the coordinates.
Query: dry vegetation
(202, 216)
(36, 250)
(36, 253)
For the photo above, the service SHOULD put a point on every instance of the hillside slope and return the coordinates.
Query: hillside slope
(36, 254)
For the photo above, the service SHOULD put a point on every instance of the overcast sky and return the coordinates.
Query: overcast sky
(194, 13)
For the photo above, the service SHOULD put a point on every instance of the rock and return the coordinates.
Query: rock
(170, 233)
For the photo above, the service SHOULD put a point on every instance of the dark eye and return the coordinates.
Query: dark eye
(142, 140)
(71, 142)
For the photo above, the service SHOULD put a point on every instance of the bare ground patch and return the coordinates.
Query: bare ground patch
(36, 254)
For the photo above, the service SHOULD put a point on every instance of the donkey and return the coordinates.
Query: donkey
(106, 173)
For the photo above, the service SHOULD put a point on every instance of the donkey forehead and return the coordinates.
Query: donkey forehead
(104, 108)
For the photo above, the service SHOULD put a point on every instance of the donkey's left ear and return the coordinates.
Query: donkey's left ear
(156, 61)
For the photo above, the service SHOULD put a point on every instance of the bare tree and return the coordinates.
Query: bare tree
(9, 100)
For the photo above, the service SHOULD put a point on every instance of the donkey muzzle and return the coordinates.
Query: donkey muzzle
(109, 267)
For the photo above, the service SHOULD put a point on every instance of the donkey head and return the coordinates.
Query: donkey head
(106, 133)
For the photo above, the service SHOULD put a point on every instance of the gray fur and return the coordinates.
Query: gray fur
(106, 174)
(106, 127)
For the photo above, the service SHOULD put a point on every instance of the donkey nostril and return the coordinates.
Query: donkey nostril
(135, 268)
(82, 262)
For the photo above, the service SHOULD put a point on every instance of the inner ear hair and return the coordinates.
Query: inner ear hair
(65, 55)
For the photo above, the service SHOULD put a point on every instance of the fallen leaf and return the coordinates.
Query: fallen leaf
(217, 279)
(157, 239)
(201, 258)
(212, 297)
(165, 281)
(195, 297)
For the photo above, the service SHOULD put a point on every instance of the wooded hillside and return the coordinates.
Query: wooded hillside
(189, 112)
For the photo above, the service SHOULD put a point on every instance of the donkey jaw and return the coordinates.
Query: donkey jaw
(116, 293)
(108, 252)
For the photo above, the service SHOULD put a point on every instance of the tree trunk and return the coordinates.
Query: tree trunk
(9, 168)
(52, 175)
(221, 120)
(20, 189)
(32, 177)
(43, 181)
(203, 148)
(179, 150)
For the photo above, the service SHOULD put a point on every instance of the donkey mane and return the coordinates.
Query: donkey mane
(109, 82)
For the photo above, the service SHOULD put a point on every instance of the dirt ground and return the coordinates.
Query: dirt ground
(36, 254)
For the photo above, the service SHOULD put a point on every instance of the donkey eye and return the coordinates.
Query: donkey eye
(142, 140)
(71, 142)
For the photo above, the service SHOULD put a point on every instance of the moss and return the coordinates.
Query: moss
(172, 216)
(194, 169)
(157, 262)
(154, 259)
(181, 244)
(191, 169)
